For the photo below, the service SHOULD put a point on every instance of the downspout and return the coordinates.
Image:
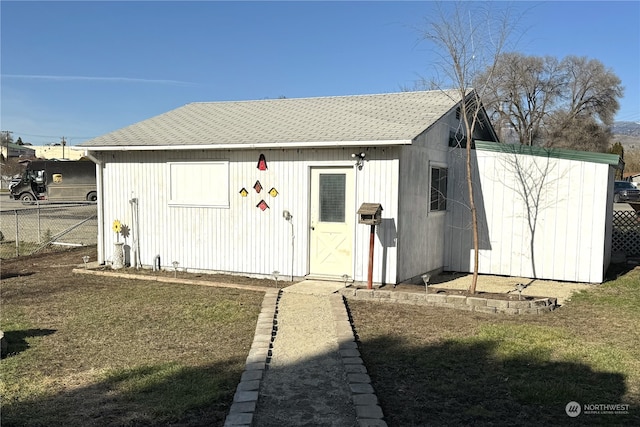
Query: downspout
(99, 188)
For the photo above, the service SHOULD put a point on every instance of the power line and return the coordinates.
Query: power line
(52, 136)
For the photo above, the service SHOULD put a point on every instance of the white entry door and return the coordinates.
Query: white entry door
(332, 221)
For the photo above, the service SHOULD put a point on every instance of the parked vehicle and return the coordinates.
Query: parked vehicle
(56, 181)
(624, 191)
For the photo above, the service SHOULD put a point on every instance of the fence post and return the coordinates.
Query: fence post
(39, 231)
(15, 212)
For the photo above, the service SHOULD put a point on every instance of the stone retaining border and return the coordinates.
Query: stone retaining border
(539, 305)
(247, 392)
(368, 411)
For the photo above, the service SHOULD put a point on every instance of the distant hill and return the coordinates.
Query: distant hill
(626, 128)
(628, 134)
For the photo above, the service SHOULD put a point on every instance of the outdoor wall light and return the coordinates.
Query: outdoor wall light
(175, 268)
(345, 277)
(359, 159)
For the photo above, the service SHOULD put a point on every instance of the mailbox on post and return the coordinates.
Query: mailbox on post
(370, 213)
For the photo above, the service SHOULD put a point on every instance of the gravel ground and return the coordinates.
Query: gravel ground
(306, 383)
(501, 284)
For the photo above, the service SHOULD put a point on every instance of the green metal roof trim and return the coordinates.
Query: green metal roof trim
(557, 153)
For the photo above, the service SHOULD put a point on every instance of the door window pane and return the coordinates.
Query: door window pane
(332, 192)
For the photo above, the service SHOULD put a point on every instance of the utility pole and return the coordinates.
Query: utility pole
(63, 144)
(6, 137)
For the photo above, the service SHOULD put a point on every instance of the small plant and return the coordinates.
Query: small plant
(47, 236)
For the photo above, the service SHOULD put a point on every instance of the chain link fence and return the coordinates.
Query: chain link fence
(38, 228)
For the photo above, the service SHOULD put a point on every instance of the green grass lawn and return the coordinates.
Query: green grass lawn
(433, 366)
(89, 350)
(95, 351)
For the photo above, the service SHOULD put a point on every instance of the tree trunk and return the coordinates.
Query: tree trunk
(474, 219)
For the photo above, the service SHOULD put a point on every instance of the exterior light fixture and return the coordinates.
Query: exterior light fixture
(175, 268)
(425, 279)
(359, 159)
(345, 277)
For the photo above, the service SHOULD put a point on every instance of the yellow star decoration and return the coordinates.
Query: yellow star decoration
(117, 226)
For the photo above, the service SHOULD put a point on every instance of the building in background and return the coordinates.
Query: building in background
(59, 152)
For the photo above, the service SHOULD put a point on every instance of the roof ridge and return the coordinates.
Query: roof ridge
(362, 95)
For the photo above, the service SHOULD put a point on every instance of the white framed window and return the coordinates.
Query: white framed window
(438, 198)
(204, 183)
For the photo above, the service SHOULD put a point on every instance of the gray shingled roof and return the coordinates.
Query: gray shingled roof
(392, 117)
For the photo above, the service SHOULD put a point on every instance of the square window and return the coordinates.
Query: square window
(185, 183)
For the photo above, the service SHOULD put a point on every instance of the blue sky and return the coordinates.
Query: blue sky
(82, 69)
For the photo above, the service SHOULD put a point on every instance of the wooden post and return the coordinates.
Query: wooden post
(371, 242)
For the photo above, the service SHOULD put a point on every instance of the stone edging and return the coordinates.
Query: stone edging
(245, 399)
(247, 392)
(459, 302)
(368, 411)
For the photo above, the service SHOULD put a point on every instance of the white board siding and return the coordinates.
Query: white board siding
(377, 182)
(242, 238)
(421, 234)
(570, 229)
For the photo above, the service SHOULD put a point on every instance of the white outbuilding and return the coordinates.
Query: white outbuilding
(253, 187)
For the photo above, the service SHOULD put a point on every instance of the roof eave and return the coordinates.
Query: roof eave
(250, 146)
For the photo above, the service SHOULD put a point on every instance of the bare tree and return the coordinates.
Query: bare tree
(590, 98)
(581, 132)
(468, 39)
(518, 97)
(11, 167)
(592, 89)
(569, 103)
